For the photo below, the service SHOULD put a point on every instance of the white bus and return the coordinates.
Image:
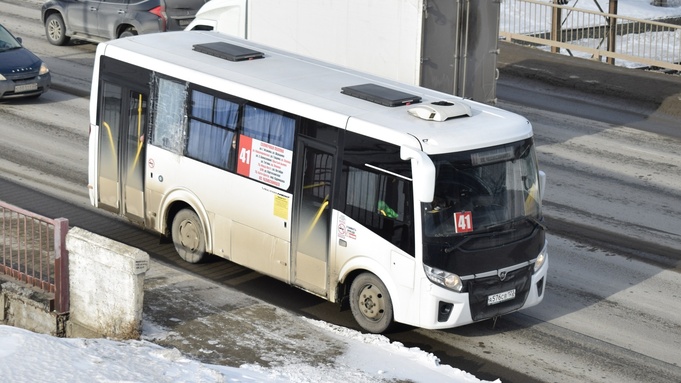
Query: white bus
(406, 204)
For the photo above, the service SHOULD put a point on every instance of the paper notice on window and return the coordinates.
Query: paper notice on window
(265, 162)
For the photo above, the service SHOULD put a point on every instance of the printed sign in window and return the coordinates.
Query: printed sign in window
(265, 162)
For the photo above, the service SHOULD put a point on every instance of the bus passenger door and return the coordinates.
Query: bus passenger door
(315, 168)
(122, 123)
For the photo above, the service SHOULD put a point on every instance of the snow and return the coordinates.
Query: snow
(640, 9)
(29, 357)
(661, 44)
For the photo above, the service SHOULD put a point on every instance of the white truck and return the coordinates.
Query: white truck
(446, 45)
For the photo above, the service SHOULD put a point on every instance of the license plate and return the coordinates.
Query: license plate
(500, 297)
(25, 88)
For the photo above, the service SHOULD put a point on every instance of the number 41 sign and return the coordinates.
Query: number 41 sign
(463, 221)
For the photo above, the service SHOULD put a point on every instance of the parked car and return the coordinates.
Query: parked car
(22, 73)
(102, 20)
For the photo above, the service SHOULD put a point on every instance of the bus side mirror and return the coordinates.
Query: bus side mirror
(423, 171)
(542, 184)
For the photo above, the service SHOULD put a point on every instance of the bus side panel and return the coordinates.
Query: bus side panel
(248, 221)
(260, 229)
(310, 273)
(358, 248)
(93, 143)
(93, 163)
(260, 251)
(222, 243)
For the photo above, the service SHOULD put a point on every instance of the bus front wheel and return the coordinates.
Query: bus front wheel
(370, 303)
(188, 236)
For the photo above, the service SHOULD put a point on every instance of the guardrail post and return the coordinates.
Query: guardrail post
(612, 30)
(556, 24)
(61, 266)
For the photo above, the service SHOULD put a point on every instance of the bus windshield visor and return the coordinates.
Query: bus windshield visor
(483, 190)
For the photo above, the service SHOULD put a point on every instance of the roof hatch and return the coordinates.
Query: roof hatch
(380, 95)
(228, 51)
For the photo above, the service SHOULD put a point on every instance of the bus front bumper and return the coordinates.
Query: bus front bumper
(442, 308)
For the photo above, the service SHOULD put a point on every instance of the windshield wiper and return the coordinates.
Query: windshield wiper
(9, 49)
(489, 232)
(536, 221)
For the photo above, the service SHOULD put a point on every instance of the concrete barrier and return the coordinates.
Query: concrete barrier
(107, 287)
(25, 306)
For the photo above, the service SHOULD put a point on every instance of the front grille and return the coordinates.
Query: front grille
(24, 76)
(479, 289)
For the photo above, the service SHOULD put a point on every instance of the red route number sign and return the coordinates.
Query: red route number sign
(243, 166)
(463, 221)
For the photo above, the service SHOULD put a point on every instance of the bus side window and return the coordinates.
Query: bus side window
(168, 125)
(211, 131)
(382, 203)
(269, 126)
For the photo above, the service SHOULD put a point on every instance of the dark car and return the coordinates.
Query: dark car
(22, 74)
(102, 20)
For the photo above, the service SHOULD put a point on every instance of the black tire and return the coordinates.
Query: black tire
(55, 30)
(187, 233)
(370, 303)
(128, 32)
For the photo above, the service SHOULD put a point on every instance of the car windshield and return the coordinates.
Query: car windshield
(481, 190)
(7, 41)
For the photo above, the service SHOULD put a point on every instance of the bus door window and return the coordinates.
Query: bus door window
(122, 124)
(316, 198)
(313, 195)
(110, 122)
(134, 157)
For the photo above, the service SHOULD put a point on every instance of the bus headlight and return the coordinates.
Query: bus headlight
(444, 278)
(541, 258)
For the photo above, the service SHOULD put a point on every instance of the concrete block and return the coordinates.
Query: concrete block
(106, 284)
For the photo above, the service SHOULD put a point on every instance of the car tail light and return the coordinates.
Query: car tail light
(161, 13)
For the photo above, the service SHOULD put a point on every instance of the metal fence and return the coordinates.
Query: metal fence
(33, 251)
(583, 33)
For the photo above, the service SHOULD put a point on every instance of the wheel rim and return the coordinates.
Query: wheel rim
(189, 236)
(371, 303)
(54, 30)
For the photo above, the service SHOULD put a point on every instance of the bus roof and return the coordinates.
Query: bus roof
(312, 89)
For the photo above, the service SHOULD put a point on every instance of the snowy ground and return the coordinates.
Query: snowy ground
(659, 45)
(31, 357)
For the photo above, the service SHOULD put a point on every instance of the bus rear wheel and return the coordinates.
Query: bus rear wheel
(370, 303)
(188, 236)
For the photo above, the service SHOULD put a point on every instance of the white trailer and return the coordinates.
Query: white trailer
(446, 45)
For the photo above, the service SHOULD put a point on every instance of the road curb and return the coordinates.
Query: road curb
(70, 89)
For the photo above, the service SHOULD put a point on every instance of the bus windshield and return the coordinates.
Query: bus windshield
(483, 190)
